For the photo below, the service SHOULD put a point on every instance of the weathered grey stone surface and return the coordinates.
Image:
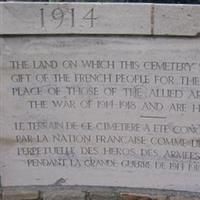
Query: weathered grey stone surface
(98, 18)
(110, 79)
(159, 72)
(75, 18)
(177, 20)
(96, 193)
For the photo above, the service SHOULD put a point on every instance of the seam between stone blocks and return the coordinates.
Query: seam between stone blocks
(152, 18)
(87, 195)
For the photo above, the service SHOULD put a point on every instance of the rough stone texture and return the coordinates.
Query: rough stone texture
(183, 198)
(64, 195)
(12, 194)
(93, 193)
(136, 196)
(103, 195)
(132, 196)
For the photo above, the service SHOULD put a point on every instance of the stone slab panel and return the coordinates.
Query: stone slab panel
(100, 18)
(75, 18)
(104, 111)
(177, 20)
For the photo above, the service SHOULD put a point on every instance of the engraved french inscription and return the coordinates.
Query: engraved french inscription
(109, 111)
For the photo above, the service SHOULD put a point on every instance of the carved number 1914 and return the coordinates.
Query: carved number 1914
(58, 15)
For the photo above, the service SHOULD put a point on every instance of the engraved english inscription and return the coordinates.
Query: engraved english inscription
(112, 111)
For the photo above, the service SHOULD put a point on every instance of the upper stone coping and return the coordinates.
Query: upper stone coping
(99, 18)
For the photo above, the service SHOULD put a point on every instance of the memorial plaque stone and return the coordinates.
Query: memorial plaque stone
(100, 104)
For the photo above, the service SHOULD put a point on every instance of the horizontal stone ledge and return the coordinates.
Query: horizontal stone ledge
(99, 18)
(91, 193)
(24, 194)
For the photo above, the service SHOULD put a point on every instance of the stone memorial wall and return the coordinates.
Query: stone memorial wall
(104, 95)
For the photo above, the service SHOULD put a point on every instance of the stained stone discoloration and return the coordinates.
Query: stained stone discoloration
(132, 196)
(92, 193)
(64, 195)
(96, 195)
(5, 141)
(20, 195)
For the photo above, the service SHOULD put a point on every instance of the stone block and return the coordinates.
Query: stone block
(103, 195)
(64, 195)
(179, 197)
(177, 20)
(12, 194)
(73, 18)
(134, 196)
(98, 18)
